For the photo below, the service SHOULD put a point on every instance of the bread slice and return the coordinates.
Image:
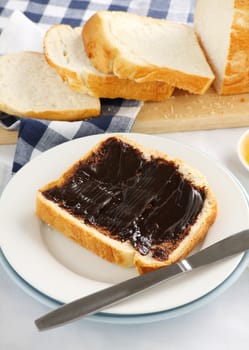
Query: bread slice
(31, 88)
(147, 49)
(223, 29)
(64, 50)
(129, 204)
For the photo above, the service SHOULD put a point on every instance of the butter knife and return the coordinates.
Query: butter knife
(90, 304)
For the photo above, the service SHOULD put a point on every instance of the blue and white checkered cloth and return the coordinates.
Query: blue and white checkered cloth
(36, 136)
(76, 12)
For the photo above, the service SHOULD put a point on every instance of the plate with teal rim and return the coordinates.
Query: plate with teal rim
(57, 270)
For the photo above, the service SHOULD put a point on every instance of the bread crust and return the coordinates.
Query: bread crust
(113, 87)
(115, 251)
(236, 77)
(102, 85)
(109, 59)
(65, 115)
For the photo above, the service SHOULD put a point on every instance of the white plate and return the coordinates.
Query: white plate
(64, 271)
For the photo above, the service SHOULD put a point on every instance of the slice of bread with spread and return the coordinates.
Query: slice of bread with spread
(31, 88)
(223, 29)
(64, 50)
(146, 49)
(130, 205)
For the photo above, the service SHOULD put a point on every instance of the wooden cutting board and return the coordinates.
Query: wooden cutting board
(183, 112)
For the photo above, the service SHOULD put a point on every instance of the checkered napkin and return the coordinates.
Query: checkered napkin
(23, 29)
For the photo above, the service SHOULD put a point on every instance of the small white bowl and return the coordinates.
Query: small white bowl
(243, 149)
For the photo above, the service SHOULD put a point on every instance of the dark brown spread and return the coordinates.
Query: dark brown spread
(118, 191)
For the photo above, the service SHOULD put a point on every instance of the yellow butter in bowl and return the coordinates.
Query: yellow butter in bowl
(243, 149)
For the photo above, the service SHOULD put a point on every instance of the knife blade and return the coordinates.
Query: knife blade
(98, 301)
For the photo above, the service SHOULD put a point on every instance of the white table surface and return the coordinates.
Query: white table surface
(221, 324)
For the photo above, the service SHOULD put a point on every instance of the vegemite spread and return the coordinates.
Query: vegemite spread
(124, 195)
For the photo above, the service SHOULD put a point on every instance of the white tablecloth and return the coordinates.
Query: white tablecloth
(221, 324)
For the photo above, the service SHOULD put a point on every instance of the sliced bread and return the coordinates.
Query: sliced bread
(64, 50)
(130, 205)
(223, 29)
(147, 49)
(29, 87)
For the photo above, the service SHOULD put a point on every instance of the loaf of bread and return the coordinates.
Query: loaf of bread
(130, 205)
(223, 29)
(31, 88)
(64, 50)
(146, 49)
